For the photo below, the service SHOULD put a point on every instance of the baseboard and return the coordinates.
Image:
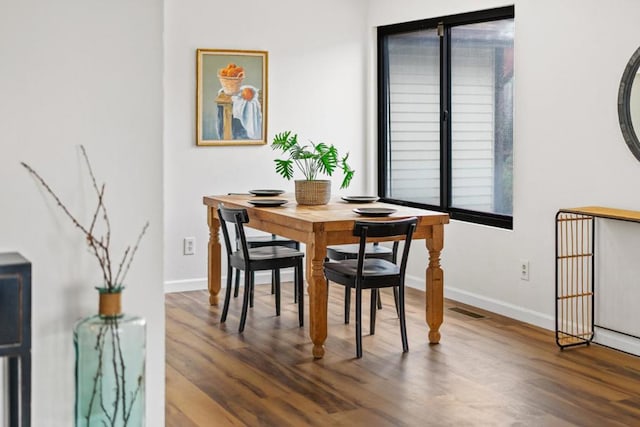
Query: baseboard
(617, 341)
(185, 285)
(198, 284)
(495, 306)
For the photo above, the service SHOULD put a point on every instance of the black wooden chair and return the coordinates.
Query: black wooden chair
(259, 242)
(375, 250)
(250, 260)
(374, 273)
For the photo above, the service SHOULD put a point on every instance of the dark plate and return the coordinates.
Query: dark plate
(374, 211)
(266, 192)
(267, 203)
(360, 199)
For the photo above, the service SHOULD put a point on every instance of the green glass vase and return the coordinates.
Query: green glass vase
(110, 366)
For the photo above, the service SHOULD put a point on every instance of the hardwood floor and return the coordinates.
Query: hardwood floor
(487, 371)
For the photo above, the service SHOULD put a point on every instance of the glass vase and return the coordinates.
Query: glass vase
(110, 366)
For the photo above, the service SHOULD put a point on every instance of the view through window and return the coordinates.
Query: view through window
(446, 115)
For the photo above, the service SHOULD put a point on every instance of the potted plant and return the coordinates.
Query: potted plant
(312, 160)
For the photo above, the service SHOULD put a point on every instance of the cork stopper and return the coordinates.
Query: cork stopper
(109, 304)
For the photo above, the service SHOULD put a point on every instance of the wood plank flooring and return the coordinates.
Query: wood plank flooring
(488, 371)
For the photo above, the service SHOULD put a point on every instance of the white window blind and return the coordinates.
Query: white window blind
(472, 128)
(414, 117)
(414, 124)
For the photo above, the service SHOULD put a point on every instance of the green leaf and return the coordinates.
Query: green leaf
(347, 171)
(284, 168)
(284, 141)
(327, 156)
(300, 153)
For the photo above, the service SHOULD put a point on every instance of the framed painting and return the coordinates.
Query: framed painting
(231, 97)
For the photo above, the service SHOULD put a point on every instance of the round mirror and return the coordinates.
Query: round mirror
(629, 104)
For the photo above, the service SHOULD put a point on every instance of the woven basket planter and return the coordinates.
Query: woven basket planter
(313, 192)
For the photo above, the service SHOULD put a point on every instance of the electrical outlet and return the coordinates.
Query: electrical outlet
(189, 246)
(524, 269)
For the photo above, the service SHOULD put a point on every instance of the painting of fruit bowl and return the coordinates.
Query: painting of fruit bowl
(231, 78)
(231, 97)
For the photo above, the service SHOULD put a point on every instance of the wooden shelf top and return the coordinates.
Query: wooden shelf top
(604, 212)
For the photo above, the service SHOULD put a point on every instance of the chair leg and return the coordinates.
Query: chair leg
(395, 300)
(372, 316)
(379, 299)
(347, 304)
(247, 292)
(358, 323)
(300, 290)
(296, 246)
(273, 280)
(237, 286)
(251, 288)
(276, 282)
(403, 320)
(295, 290)
(227, 294)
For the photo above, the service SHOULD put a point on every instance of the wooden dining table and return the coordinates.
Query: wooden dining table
(321, 226)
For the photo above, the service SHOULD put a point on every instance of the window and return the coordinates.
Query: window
(445, 94)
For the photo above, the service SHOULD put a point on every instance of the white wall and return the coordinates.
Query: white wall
(317, 68)
(568, 148)
(82, 72)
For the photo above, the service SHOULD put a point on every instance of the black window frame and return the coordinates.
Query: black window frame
(444, 25)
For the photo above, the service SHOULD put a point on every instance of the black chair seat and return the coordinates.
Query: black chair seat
(260, 242)
(372, 250)
(374, 272)
(274, 239)
(267, 258)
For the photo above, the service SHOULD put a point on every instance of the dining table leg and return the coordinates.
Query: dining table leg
(317, 288)
(214, 262)
(435, 284)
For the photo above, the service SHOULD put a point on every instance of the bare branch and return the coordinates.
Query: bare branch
(55, 197)
(102, 206)
(124, 258)
(97, 211)
(135, 248)
(99, 247)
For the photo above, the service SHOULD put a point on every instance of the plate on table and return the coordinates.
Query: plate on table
(374, 211)
(360, 199)
(264, 192)
(267, 203)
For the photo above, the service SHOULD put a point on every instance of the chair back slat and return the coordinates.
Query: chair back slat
(384, 228)
(229, 214)
(237, 217)
(395, 228)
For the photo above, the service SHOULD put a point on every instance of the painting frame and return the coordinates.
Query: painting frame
(231, 97)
